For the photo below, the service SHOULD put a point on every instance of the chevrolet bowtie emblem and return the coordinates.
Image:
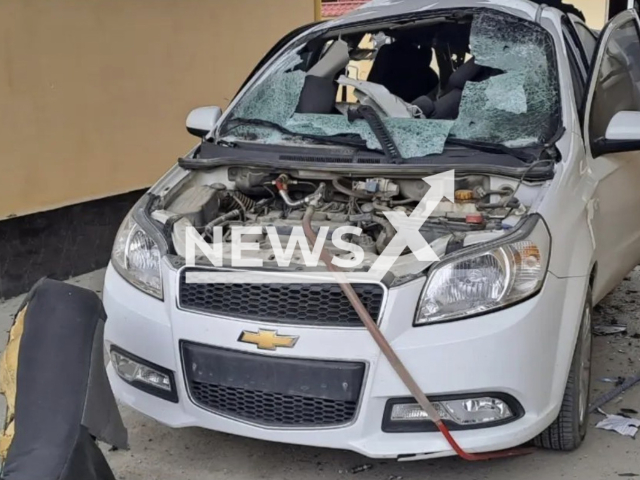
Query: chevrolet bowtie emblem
(268, 339)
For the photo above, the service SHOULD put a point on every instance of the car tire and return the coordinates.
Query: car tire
(568, 431)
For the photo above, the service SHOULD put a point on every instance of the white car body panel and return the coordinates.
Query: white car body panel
(495, 352)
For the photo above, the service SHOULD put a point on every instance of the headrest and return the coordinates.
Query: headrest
(399, 52)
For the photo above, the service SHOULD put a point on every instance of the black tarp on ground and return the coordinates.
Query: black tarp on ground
(62, 395)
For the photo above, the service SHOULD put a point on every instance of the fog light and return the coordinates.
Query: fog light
(478, 410)
(412, 411)
(143, 375)
(462, 412)
(458, 413)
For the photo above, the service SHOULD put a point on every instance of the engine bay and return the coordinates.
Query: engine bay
(485, 207)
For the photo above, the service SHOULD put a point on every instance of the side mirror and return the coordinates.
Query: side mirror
(623, 134)
(201, 121)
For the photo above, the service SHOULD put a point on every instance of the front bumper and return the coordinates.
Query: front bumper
(523, 351)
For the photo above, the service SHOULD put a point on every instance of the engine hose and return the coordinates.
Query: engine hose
(380, 207)
(385, 237)
(232, 215)
(392, 356)
(511, 203)
(347, 191)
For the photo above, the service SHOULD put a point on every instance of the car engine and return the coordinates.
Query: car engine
(253, 197)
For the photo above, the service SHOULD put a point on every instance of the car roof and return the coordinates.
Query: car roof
(380, 9)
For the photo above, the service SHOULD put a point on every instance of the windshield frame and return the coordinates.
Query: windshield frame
(549, 21)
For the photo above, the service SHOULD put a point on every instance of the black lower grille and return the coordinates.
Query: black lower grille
(272, 391)
(273, 408)
(281, 303)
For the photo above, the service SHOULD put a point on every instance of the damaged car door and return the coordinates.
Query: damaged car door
(612, 136)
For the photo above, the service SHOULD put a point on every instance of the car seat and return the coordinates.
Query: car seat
(405, 70)
(447, 107)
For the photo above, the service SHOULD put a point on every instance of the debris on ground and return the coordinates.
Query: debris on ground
(604, 330)
(623, 425)
(607, 397)
(628, 411)
(617, 380)
(361, 468)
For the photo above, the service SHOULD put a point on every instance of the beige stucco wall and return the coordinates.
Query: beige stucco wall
(94, 93)
(594, 10)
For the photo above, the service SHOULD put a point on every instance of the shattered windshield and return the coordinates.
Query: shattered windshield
(483, 77)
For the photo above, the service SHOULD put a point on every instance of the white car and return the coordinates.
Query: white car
(544, 141)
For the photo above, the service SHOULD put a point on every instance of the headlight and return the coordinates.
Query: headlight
(137, 258)
(487, 277)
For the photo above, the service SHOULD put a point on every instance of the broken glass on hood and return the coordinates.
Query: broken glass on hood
(414, 137)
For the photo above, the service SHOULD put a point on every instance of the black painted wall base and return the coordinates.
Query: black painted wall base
(60, 243)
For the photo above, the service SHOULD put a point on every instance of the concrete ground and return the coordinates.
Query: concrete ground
(158, 452)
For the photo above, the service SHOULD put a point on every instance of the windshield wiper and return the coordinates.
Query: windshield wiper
(342, 140)
(493, 148)
(379, 129)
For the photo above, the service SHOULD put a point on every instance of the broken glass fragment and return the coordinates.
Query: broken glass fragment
(274, 99)
(418, 138)
(414, 137)
(506, 92)
(507, 43)
(253, 134)
(519, 106)
(328, 125)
